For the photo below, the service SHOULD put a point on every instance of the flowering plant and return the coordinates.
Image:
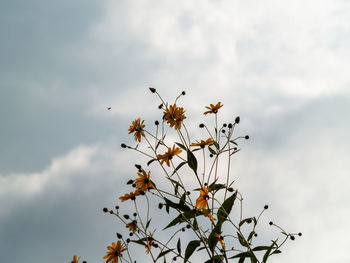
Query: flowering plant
(192, 192)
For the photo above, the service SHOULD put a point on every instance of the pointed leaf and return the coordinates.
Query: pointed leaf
(226, 208)
(181, 146)
(178, 167)
(192, 161)
(191, 247)
(178, 246)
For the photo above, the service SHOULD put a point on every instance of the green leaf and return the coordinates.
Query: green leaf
(226, 207)
(151, 161)
(179, 206)
(267, 253)
(148, 222)
(164, 253)
(178, 167)
(182, 199)
(242, 255)
(234, 143)
(251, 235)
(215, 259)
(276, 252)
(181, 146)
(246, 220)
(216, 145)
(182, 218)
(191, 247)
(192, 161)
(178, 246)
(212, 240)
(216, 187)
(211, 150)
(241, 240)
(259, 248)
(140, 241)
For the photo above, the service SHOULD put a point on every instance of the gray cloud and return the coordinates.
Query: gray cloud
(281, 68)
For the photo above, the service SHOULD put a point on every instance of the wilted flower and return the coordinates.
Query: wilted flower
(207, 213)
(132, 226)
(221, 240)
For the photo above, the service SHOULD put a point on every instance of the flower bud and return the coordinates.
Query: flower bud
(237, 120)
(123, 145)
(119, 235)
(153, 90)
(246, 137)
(105, 209)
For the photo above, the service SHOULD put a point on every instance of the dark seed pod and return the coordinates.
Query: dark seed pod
(153, 90)
(105, 209)
(119, 235)
(237, 120)
(123, 145)
(130, 182)
(126, 216)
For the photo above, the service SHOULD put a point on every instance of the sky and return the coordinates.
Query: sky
(282, 66)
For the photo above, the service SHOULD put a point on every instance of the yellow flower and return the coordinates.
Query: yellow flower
(202, 200)
(114, 252)
(131, 195)
(143, 183)
(174, 116)
(132, 226)
(221, 240)
(149, 243)
(207, 213)
(75, 259)
(137, 127)
(166, 157)
(213, 109)
(203, 143)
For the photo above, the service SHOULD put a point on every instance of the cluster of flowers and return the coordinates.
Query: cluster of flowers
(208, 235)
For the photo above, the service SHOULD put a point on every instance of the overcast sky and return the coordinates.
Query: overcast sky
(283, 66)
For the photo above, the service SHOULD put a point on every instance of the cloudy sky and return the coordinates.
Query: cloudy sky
(283, 66)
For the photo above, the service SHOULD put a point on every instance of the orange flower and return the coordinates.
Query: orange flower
(114, 252)
(213, 109)
(75, 259)
(131, 195)
(207, 213)
(137, 127)
(202, 200)
(203, 143)
(143, 183)
(174, 116)
(221, 240)
(149, 243)
(166, 157)
(132, 226)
